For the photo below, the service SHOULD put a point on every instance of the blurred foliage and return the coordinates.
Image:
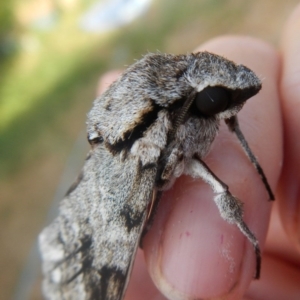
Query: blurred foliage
(7, 29)
(42, 83)
(44, 79)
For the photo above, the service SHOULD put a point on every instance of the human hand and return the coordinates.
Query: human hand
(190, 252)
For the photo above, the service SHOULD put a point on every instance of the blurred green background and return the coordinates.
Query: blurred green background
(52, 53)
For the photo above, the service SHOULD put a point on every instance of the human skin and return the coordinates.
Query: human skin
(190, 252)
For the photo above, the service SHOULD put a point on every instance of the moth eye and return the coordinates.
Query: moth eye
(212, 100)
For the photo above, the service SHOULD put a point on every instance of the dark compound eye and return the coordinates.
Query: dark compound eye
(212, 100)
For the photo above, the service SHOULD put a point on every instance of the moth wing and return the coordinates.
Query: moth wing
(89, 249)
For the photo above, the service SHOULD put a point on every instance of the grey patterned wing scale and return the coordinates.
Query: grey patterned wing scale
(88, 250)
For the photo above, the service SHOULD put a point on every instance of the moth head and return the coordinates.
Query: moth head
(222, 86)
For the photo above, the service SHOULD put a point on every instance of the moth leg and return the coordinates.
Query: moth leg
(233, 126)
(173, 166)
(230, 207)
(149, 147)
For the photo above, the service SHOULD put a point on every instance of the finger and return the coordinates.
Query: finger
(280, 280)
(290, 93)
(278, 242)
(141, 285)
(106, 80)
(190, 251)
(281, 276)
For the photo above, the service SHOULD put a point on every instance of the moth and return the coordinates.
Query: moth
(155, 123)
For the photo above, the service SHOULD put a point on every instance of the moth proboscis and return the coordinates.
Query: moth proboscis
(155, 123)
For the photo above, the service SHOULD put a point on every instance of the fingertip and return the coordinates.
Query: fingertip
(290, 101)
(242, 49)
(106, 80)
(280, 280)
(290, 45)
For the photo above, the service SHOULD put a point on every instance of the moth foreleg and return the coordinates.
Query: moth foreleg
(149, 147)
(231, 210)
(230, 207)
(172, 165)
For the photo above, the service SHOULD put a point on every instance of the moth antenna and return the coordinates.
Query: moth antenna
(233, 126)
(180, 118)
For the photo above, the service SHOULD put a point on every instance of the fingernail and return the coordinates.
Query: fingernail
(199, 255)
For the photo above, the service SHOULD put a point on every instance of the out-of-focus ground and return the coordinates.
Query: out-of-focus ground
(51, 60)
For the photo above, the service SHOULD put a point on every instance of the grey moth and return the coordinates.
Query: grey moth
(155, 123)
